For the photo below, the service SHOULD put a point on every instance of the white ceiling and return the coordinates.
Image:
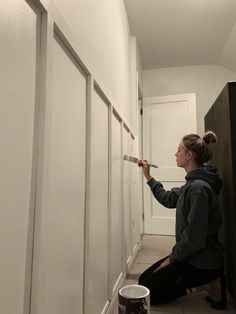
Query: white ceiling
(181, 32)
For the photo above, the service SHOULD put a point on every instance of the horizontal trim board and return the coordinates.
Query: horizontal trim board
(59, 34)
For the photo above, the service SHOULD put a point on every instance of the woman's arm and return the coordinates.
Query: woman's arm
(168, 199)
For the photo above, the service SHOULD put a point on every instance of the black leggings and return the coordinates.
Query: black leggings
(171, 282)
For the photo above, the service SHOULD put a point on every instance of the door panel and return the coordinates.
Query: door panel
(166, 120)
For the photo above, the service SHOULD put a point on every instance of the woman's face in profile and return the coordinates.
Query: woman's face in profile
(182, 156)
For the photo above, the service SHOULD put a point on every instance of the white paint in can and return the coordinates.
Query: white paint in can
(134, 299)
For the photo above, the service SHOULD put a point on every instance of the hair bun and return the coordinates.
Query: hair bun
(209, 137)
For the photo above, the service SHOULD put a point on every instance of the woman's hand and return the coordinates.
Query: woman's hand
(164, 264)
(146, 168)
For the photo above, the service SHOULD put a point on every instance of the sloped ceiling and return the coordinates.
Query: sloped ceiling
(184, 32)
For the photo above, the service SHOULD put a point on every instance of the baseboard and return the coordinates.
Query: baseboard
(114, 300)
(131, 260)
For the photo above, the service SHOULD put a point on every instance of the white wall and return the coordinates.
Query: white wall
(206, 81)
(139, 69)
(227, 56)
(66, 77)
(102, 31)
(17, 158)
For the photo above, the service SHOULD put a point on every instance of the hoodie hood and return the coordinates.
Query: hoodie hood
(208, 174)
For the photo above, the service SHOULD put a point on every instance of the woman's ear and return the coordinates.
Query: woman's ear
(189, 155)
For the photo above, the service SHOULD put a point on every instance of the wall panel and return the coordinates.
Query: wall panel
(117, 244)
(126, 195)
(18, 23)
(44, 168)
(62, 239)
(99, 193)
(135, 198)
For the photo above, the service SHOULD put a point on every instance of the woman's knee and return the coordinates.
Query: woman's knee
(140, 282)
(145, 282)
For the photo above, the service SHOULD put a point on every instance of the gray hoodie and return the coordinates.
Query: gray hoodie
(198, 218)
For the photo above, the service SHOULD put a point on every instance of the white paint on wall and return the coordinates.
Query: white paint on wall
(17, 99)
(134, 85)
(61, 255)
(98, 293)
(102, 31)
(206, 81)
(135, 198)
(116, 208)
(126, 184)
(139, 68)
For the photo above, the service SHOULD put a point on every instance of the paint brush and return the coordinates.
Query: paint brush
(136, 160)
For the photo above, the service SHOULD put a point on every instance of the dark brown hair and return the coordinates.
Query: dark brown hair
(200, 146)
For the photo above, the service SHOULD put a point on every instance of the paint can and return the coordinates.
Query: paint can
(134, 299)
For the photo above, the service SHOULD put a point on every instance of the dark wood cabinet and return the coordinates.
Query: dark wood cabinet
(221, 118)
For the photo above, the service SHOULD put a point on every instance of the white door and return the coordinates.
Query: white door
(166, 119)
